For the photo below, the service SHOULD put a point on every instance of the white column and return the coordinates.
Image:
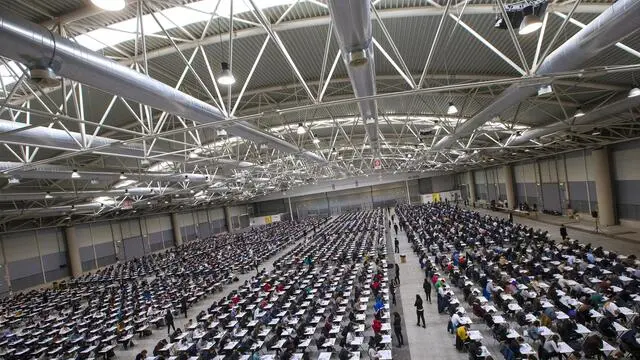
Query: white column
(73, 250)
(604, 191)
(175, 224)
(290, 209)
(509, 186)
(471, 187)
(227, 218)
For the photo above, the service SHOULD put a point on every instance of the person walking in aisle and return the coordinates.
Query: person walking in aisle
(168, 318)
(563, 232)
(397, 271)
(397, 243)
(397, 328)
(395, 227)
(426, 285)
(392, 290)
(419, 310)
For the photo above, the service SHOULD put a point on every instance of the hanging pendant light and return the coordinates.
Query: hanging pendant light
(579, 113)
(110, 5)
(452, 109)
(301, 130)
(634, 92)
(531, 23)
(75, 174)
(226, 77)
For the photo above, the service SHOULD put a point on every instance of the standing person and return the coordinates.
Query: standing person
(397, 328)
(255, 264)
(397, 271)
(419, 310)
(426, 285)
(168, 318)
(563, 232)
(510, 217)
(392, 289)
(395, 228)
(183, 306)
(397, 243)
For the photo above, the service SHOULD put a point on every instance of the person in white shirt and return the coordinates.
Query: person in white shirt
(455, 321)
(551, 347)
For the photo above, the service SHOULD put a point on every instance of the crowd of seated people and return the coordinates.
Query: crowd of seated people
(93, 314)
(316, 302)
(536, 297)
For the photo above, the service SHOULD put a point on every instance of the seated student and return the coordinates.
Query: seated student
(454, 322)
(606, 328)
(550, 348)
(462, 336)
(344, 354)
(373, 353)
(592, 346)
(629, 343)
(159, 346)
(534, 331)
(142, 355)
(376, 325)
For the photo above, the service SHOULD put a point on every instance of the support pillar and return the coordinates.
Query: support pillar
(73, 250)
(227, 218)
(509, 186)
(290, 209)
(604, 191)
(471, 186)
(175, 225)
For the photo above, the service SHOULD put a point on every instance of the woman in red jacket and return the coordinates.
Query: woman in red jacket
(377, 325)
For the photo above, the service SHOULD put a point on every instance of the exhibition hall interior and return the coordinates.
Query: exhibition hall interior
(319, 179)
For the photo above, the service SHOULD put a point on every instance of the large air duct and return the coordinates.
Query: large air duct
(590, 117)
(61, 172)
(352, 21)
(24, 134)
(86, 194)
(36, 47)
(613, 25)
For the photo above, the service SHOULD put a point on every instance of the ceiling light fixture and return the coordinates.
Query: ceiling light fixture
(579, 113)
(226, 77)
(316, 141)
(123, 176)
(452, 109)
(222, 132)
(634, 92)
(596, 132)
(75, 174)
(301, 130)
(13, 180)
(531, 23)
(193, 155)
(48, 195)
(544, 90)
(110, 5)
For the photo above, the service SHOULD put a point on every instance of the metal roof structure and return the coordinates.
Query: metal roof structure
(182, 140)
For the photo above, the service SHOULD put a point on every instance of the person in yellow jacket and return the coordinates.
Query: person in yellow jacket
(462, 336)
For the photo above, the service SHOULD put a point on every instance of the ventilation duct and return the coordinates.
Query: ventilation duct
(590, 117)
(352, 21)
(37, 47)
(613, 25)
(38, 196)
(24, 134)
(60, 172)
